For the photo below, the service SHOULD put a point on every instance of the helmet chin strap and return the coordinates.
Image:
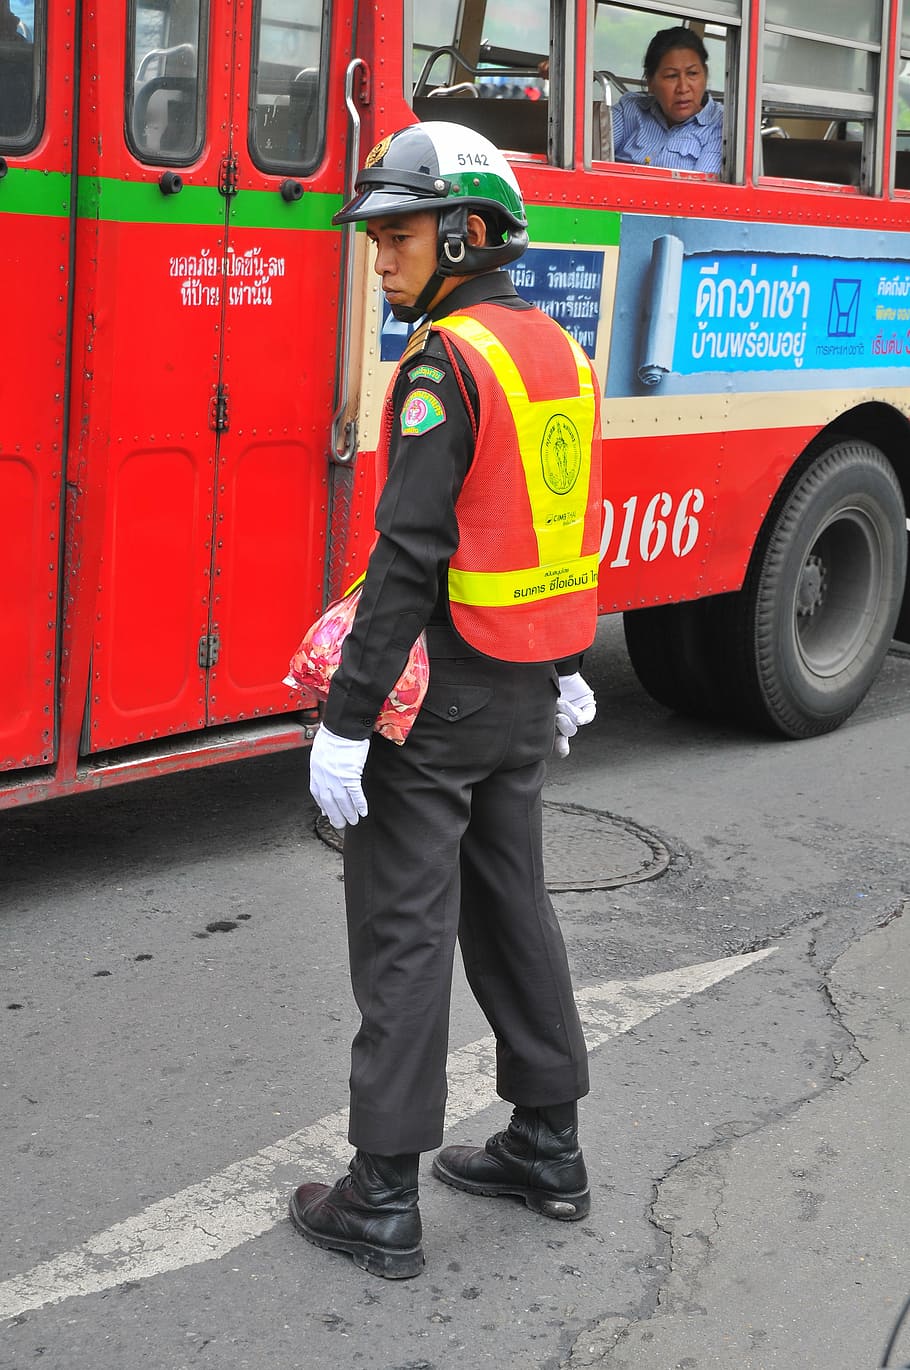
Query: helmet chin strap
(410, 313)
(452, 240)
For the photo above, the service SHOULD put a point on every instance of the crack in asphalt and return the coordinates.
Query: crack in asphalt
(701, 1186)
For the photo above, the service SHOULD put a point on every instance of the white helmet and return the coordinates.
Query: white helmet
(451, 168)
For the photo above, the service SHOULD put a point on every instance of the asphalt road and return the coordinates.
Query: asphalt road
(177, 1020)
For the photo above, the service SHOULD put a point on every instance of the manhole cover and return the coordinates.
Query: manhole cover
(588, 849)
(584, 849)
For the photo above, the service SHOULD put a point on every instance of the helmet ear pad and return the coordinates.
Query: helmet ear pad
(456, 255)
(451, 254)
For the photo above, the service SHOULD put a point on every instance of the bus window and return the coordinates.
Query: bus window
(287, 99)
(628, 122)
(165, 88)
(22, 29)
(820, 75)
(488, 66)
(902, 105)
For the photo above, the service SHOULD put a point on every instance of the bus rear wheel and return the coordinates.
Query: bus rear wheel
(812, 624)
(672, 651)
(795, 651)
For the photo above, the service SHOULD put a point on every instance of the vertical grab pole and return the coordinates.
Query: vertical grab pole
(344, 432)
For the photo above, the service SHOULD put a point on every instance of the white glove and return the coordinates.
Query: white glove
(336, 765)
(575, 706)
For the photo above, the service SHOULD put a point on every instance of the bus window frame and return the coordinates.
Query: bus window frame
(902, 56)
(563, 79)
(732, 100)
(289, 166)
(561, 103)
(24, 143)
(201, 103)
(779, 101)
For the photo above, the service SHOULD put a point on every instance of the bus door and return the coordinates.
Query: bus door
(279, 354)
(36, 64)
(212, 346)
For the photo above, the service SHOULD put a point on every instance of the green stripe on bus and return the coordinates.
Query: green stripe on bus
(267, 209)
(110, 200)
(568, 227)
(142, 202)
(563, 224)
(23, 190)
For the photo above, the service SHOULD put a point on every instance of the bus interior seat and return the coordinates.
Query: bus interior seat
(16, 89)
(602, 125)
(902, 170)
(163, 115)
(179, 130)
(287, 124)
(516, 125)
(809, 159)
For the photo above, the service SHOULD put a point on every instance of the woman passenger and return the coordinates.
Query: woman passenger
(676, 124)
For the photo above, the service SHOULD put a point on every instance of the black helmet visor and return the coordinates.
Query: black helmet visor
(388, 190)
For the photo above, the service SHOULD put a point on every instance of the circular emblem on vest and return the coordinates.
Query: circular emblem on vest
(560, 454)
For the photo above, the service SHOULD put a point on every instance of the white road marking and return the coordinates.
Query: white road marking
(207, 1220)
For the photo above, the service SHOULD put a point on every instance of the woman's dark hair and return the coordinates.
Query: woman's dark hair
(665, 40)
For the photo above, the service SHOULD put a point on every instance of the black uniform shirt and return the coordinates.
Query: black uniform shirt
(405, 584)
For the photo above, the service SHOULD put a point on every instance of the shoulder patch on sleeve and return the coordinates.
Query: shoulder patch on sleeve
(421, 411)
(416, 342)
(427, 373)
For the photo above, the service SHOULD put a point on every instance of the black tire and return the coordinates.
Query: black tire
(673, 651)
(817, 612)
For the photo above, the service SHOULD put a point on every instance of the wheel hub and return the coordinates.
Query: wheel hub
(838, 592)
(810, 594)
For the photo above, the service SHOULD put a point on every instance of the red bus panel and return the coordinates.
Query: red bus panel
(34, 246)
(208, 431)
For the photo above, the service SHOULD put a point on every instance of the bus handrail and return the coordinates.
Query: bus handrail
(420, 84)
(344, 441)
(607, 78)
(185, 50)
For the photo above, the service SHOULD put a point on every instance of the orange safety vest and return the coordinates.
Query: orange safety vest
(523, 581)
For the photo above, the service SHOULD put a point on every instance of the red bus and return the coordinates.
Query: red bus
(193, 359)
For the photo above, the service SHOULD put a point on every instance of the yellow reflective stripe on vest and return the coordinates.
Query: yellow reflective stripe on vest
(493, 589)
(554, 439)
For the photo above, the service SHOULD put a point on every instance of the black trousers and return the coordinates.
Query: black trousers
(452, 847)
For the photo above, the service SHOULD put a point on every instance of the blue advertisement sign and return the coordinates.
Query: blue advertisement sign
(393, 335)
(717, 301)
(563, 282)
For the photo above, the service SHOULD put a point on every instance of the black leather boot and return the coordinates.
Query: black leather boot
(537, 1159)
(371, 1213)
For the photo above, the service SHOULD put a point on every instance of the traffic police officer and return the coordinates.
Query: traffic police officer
(488, 528)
